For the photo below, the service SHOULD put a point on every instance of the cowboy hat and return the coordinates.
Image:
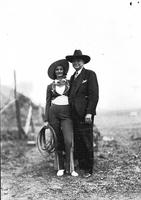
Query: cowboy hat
(78, 55)
(51, 70)
(46, 140)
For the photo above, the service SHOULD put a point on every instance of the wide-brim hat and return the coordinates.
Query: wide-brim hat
(78, 55)
(51, 70)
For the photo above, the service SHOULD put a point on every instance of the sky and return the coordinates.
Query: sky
(36, 33)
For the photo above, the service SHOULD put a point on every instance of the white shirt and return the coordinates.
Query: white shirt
(78, 72)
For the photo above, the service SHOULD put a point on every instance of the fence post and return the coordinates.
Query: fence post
(18, 116)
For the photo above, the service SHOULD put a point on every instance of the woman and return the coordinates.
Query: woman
(57, 114)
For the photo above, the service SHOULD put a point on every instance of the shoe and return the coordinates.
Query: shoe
(60, 172)
(74, 173)
(87, 175)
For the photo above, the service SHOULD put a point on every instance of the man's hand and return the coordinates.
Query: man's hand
(88, 118)
(46, 123)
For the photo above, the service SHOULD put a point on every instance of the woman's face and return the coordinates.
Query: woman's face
(59, 72)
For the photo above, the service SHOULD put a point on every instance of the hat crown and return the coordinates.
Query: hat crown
(77, 53)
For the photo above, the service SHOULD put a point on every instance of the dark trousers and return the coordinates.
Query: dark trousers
(83, 142)
(60, 120)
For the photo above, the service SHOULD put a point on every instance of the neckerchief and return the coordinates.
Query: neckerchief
(60, 83)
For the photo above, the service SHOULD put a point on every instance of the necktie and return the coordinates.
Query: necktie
(76, 74)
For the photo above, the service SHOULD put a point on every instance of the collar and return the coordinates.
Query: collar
(80, 70)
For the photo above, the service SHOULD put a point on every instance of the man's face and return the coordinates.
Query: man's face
(77, 64)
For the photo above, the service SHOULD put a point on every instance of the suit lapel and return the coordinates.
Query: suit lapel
(79, 80)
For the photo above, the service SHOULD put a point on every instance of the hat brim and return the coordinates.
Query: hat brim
(51, 70)
(85, 58)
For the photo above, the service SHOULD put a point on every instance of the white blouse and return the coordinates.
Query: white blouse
(60, 89)
(62, 99)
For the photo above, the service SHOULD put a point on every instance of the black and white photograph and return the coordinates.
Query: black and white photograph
(70, 99)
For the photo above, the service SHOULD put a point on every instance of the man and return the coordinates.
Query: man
(83, 98)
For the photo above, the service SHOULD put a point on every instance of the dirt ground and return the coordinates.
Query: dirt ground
(27, 175)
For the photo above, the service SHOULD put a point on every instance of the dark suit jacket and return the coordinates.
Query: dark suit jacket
(84, 92)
